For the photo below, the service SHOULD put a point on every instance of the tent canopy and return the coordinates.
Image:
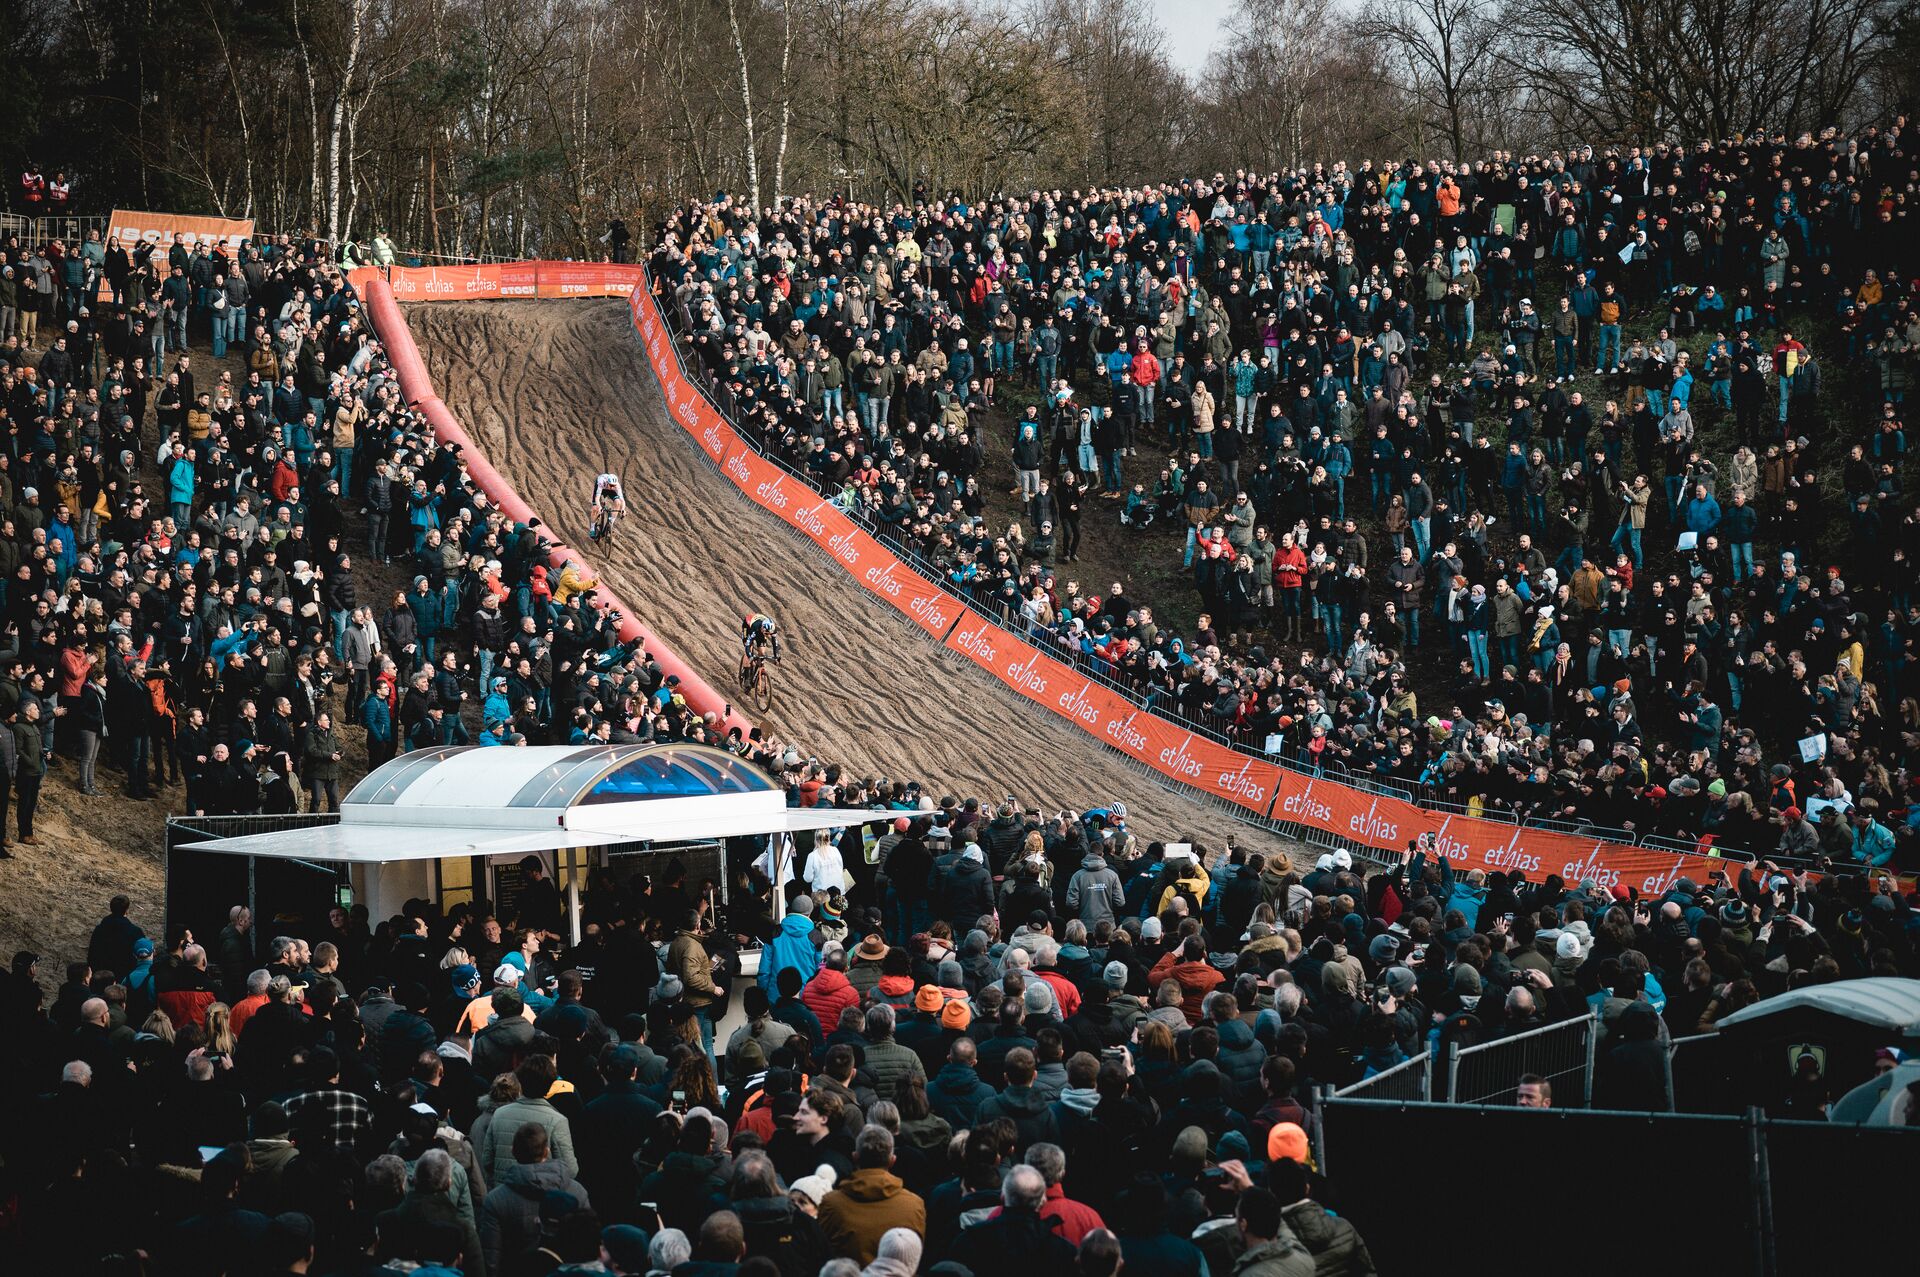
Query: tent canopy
(1881, 1003)
(487, 801)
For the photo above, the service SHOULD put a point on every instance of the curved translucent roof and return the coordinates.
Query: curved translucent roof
(556, 777)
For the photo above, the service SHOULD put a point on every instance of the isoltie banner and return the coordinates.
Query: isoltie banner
(1389, 824)
(857, 552)
(1104, 714)
(1383, 823)
(506, 280)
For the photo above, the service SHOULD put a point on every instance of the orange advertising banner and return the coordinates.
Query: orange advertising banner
(1107, 716)
(512, 279)
(158, 230)
(587, 279)
(1390, 824)
(773, 489)
(1385, 824)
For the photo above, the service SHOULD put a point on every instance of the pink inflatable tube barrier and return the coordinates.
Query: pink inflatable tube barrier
(391, 326)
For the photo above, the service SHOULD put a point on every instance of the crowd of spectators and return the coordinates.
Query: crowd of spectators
(984, 1036)
(243, 579)
(1525, 485)
(1112, 1062)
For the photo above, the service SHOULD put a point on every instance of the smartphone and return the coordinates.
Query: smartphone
(1508, 916)
(679, 1103)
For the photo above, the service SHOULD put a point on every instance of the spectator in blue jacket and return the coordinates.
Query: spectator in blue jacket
(792, 948)
(1701, 514)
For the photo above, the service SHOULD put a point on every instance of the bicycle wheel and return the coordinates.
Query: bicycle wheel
(762, 687)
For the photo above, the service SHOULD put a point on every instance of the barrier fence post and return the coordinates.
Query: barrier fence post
(1453, 1070)
(1593, 1053)
(1320, 1128)
(1760, 1180)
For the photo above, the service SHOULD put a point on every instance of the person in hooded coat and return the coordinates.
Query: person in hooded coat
(1633, 1075)
(510, 1213)
(1095, 894)
(963, 887)
(793, 947)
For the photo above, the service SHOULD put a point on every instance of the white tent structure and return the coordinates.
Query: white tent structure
(477, 804)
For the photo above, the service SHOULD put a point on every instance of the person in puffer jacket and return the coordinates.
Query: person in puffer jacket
(1240, 1056)
(1096, 894)
(793, 947)
(963, 888)
(830, 992)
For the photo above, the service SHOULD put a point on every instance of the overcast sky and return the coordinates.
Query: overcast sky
(1191, 26)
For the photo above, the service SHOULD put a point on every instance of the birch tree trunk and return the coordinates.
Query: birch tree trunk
(314, 201)
(357, 21)
(786, 102)
(746, 106)
(239, 105)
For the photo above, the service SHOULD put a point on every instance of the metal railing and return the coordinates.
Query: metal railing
(1408, 1080)
(970, 595)
(185, 830)
(1490, 1072)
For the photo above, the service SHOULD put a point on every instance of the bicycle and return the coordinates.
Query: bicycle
(605, 519)
(756, 678)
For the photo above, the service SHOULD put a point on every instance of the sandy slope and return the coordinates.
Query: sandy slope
(558, 391)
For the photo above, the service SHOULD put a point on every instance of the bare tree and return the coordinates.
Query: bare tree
(1618, 70)
(1448, 48)
(752, 140)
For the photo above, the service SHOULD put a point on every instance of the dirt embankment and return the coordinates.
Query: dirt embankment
(558, 391)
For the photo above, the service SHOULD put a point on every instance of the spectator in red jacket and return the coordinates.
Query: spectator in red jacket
(1070, 1219)
(185, 991)
(1187, 966)
(829, 992)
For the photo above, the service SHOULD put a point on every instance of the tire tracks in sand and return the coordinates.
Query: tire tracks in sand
(557, 391)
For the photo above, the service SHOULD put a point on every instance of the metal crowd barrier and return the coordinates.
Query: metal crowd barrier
(1490, 1072)
(1408, 1080)
(1289, 758)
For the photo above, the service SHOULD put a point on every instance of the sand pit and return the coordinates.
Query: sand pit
(558, 391)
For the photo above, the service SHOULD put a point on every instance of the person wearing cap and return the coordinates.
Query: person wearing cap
(623, 1250)
(463, 987)
(793, 948)
(864, 964)
(920, 1030)
(499, 1044)
(479, 1012)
